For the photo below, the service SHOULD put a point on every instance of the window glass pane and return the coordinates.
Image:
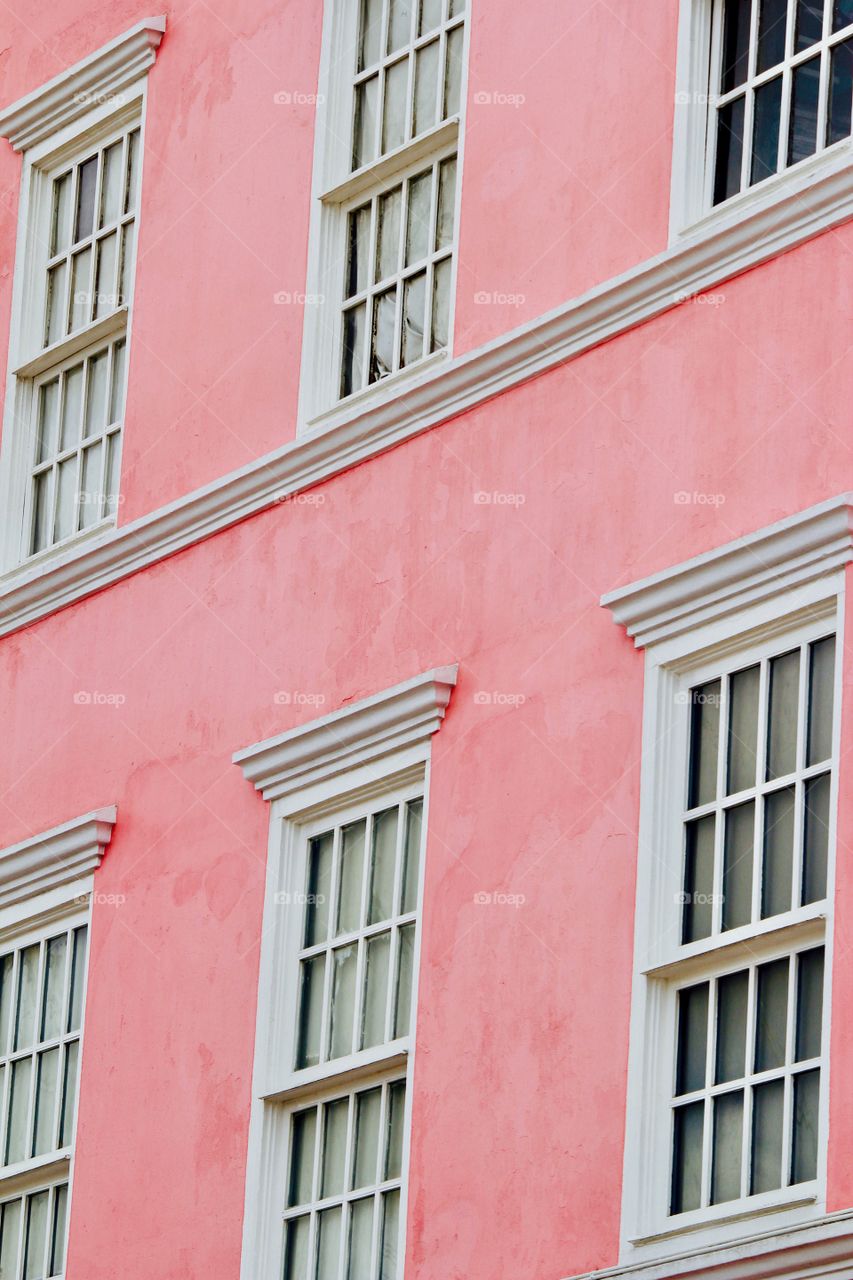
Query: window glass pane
(687, 1157)
(732, 998)
(47, 1093)
(10, 1231)
(446, 203)
(371, 33)
(56, 304)
(353, 355)
(106, 296)
(418, 219)
(81, 289)
(809, 1004)
(6, 1000)
(414, 310)
(296, 1249)
(399, 24)
(383, 863)
(782, 727)
(310, 1011)
(360, 1238)
(453, 72)
(765, 130)
(86, 180)
(96, 393)
(405, 966)
(334, 1147)
(48, 418)
(821, 698)
(25, 1024)
(441, 305)
(57, 1247)
(388, 241)
(728, 1144)
(743, 729)
(69, 1093)
(735, 44)
(359, 250)
(396, 1116)
(809, 23)
(60, 233)
(772, 19)
(388, 1269)
(117, 388)
(840, 93)
(320, 851)
(111, 184)
(17, 1138)
(842, 14)
(704, 742)
(343, 1000)
(737, 865)
(72, 407)
(42, 499)
(382, 350)
(806, 1100)
(802, 135)
(411, 873)
(778, 869)
(66, 504)
(36, 1243)
(328, 1243)
(430, 16)
(90, 497)
(456, 7)
(304, 1132)
(352, 876)
(426, 87)
(368, 1106)
(692, 1038)
(767, 1104)
(124, 277)
(112, 493)
(132, 191)
(771, 1021)
(394, 119)
(78, 974)
(376, 991)
(698, 879)
(364, 137)
(816, 838)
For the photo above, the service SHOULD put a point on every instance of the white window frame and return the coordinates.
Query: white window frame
(747, 610)
(691, 212)
(370, 755)
(336, 189)
(46, 886)
(53, 126)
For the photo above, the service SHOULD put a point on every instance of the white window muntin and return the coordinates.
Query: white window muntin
(664, 962)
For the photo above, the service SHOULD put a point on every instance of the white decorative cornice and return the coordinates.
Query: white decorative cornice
(56, 857)
(354, 432)
(814, 1251)
(97, 78)
(318, 752)
(792, 553)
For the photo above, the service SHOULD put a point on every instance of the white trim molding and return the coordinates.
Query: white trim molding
(316, 754)
(354, 432)
(793, 553)
(60, 856)
(98, 78)
(817, 1251)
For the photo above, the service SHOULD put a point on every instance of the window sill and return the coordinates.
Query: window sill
(69, 549)
(115, 322)
(377, 393)
(778, 192)
(371, 176)
(341, 1073)
(40, 1171)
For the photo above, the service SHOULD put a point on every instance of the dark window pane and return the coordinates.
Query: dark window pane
(802, 134)
(303, 1133)
(782, 727)
(692, 1038)
(737, 865)
(816, 839)
(743, 729)
(698, 879)
(809, 23)
(86, 178)
(732, 997)
(771, 1018)
(735, 44)
(838, 121)
(765, 130)
(353, 354)
(806, 1099)
(842, 14)
(687, 1157)
(359, 250)
(729, 150)
(704, 740)
(821, 689)
(772, 17)
(778, 869)
(767, 1102)
(809, 1004)
(728, 1146)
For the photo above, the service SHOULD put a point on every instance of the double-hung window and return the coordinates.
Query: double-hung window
(387, 179)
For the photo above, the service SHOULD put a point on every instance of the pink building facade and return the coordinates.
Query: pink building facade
(425, 519)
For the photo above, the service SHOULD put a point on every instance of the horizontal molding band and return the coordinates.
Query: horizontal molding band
(354, 433)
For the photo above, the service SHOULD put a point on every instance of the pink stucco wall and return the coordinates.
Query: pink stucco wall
(396, 567)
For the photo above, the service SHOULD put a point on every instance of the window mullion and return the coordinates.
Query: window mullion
(719, 825)
(788, 1098)
(746, 1154)
(761, 775)
(708, 1114)
(346, 1206)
